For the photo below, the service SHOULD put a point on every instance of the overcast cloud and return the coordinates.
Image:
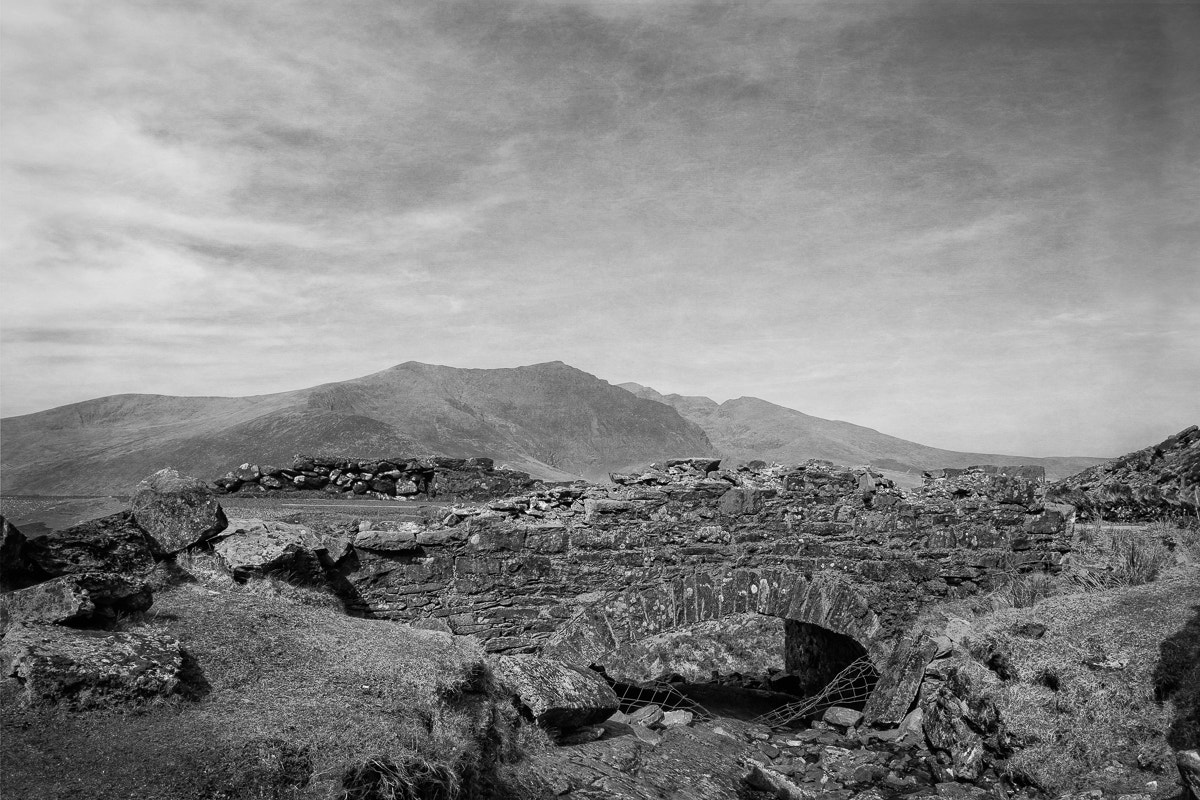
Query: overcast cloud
(970, 223)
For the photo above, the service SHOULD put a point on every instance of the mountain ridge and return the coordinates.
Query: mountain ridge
(549, 419)
(747, 427)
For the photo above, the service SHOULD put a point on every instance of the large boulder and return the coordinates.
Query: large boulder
(255, 547)
(109, 544)
(177, 510)
(84, 669)
(89, 597)
(557, 694)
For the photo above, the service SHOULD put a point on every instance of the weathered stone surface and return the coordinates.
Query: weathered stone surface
(842, 717)
(646, 715)
(109, 544)
(85, 669)
(558, 695)
(254, 547)
(389, 540)
(680, 717)
(74, 599)
(177, 510)
(1159, 481)
(961, 722)
(900, 679)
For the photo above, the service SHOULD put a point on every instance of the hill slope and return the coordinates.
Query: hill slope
(549, 419)
(749, 428)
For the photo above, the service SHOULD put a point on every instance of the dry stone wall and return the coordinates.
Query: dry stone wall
(384, 479)
(580, 570)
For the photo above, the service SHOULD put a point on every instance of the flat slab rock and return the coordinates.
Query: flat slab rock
(177, 510)
(84, 669)
(559, 695)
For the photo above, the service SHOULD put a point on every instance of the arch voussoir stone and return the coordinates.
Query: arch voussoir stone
(827, 600)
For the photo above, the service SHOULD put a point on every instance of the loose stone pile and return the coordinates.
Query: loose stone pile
(383, 479)
(1158, 482)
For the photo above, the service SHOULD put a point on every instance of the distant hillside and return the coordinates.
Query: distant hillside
(551, 420)
(748, 428)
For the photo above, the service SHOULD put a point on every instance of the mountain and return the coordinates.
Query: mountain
(749, 428)
(551, 420)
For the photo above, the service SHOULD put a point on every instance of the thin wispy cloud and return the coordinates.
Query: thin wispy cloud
(972, 224)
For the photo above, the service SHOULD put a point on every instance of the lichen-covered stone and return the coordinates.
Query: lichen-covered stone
(559, 695)
(74, 600)
(110, 544)
(177, 510)
(254, 548)
(85, 669)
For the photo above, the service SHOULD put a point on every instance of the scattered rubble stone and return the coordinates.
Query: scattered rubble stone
(1157, 482)
(842, 717)
(386, 479)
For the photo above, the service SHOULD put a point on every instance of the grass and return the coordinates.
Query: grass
(1084, 702)
(295, 693)
(1103, 556)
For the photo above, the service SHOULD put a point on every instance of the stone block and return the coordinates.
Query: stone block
(559, 695)
(89, 669)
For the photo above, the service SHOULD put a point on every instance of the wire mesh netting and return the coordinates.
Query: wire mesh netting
(663, 695)
(852, 686)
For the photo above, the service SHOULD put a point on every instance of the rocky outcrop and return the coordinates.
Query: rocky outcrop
(83, 669)
(1158, 482)
(385, 479)
(177, 510)
(556, 694)
(87, 598)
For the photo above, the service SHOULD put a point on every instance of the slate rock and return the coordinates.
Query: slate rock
(110, 544)
(557, 694)
(177, 510)
(679, 717)
(85, 669)
(89, 597)
(842, 717)
(388, 540)
(646, 715)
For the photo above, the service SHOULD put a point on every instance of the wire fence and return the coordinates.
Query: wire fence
(663, 695)
(851, 686)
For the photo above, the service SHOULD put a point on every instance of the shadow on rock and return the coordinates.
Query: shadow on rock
(1177, 678)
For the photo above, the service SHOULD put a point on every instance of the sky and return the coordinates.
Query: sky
(974, 224)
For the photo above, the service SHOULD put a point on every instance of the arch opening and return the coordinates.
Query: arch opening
(745, 666)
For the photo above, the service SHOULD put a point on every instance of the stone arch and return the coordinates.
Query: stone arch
(826, 600)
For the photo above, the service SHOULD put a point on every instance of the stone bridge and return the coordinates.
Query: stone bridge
(581, 571)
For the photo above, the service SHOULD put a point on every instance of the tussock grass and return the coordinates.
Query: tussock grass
(1081, 702)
